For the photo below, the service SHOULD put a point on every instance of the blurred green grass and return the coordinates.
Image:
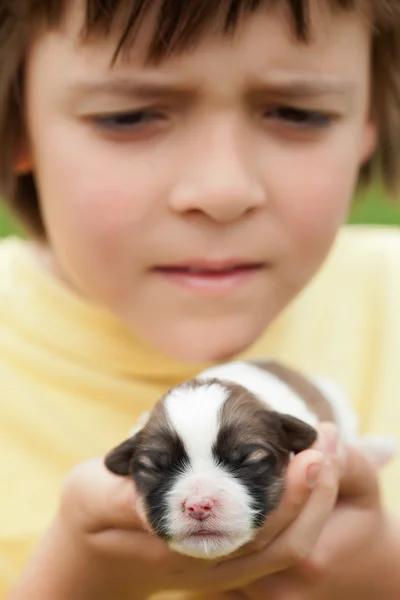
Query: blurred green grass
(8, 225)
(371, 208)
(374, 208)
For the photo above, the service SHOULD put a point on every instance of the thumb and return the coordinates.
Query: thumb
(97, 499)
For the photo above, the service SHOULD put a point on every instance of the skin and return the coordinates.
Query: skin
(343, 565)
(234, 178)
(220, 172)
(108, 551)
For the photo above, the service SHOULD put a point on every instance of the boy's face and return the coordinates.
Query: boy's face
(195, 198)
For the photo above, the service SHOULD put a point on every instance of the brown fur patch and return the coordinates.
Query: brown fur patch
(301, 386)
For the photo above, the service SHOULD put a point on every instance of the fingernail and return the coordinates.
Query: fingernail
(313, 472)
(332, 441)
(320, 444)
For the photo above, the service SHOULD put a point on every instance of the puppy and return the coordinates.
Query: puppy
(209, 461)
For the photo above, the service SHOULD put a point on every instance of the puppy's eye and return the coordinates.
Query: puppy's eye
(255, 456)
(250, 455)
(144, 461)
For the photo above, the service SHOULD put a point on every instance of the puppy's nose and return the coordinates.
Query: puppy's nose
(198, 507)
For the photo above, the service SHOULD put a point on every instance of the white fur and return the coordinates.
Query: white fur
(231, 517)
(195, 416)
(279, 396)
(194, 413)
(345, 417)
(266, 386)
(381, 449)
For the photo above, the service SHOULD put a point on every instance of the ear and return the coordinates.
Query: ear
(295, 434)
(24, 162)
(119, 459)
(369, 139)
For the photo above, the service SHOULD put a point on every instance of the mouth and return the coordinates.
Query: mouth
(212, 275)
(202, 533)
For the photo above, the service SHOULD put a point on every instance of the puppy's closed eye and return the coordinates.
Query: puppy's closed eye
(256, 455)
(155, 461)
(144, 461)
(146, 468)
(249, 455)
(257, 461)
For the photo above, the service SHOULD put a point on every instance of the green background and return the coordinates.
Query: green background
(372, 207)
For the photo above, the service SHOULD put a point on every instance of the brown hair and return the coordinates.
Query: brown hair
(180, 23)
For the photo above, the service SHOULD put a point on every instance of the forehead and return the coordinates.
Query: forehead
(179, 24)
(194, 412)
(262, 52)
(201, 411)
(128, 31)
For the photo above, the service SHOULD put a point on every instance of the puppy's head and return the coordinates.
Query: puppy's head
(210, 465)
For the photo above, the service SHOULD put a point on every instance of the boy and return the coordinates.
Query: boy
(183, 168)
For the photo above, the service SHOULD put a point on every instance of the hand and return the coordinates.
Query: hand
(108, 552)
(358, 553)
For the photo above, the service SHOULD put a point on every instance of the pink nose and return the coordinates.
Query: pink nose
(198, 507)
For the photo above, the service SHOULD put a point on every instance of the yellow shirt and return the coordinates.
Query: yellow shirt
(73, 380)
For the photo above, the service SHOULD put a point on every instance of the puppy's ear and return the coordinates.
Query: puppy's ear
(295, 434)
(119, 459)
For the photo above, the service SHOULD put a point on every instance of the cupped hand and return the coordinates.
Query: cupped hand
(356, 554)
(100, 516)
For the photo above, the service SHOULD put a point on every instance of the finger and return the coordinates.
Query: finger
(298, 490)
(358, 471)
(299, 539)
(359, 479)
(294, 544)
(296, 494)
(328, 439)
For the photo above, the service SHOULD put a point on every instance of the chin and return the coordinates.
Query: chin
(211, 547)
(212, 343)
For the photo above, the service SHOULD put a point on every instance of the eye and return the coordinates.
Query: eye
(299, 117)
(128, 121)
(250, 455)
(152, 461)
(256, 456)
(158, 462)
(144, 462)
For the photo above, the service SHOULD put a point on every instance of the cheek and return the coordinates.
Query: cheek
(88, 189)
(101, 217)
(96, 203)
(314, 201)
(320, 205)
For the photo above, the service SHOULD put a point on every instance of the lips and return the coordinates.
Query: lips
(211, 276)
(210, 267)
(205, 534)
(208, 272)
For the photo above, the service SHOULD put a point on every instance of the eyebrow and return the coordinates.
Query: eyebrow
(131, 89)
(304, 86)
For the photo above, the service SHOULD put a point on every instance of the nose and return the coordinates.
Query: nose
(198, 508)
(220, 180)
